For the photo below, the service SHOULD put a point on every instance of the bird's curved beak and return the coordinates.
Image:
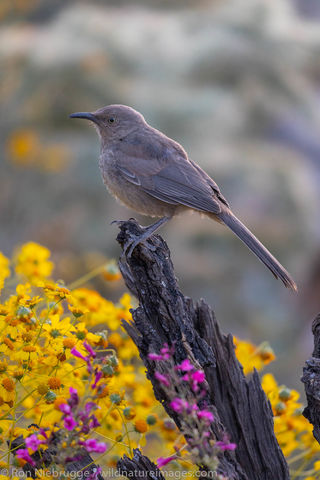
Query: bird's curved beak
(85, 115)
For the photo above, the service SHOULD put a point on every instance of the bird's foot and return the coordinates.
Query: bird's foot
(119, 223)
(140, 235)
(135, 240)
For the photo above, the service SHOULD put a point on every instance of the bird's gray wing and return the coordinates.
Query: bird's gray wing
(166, 173)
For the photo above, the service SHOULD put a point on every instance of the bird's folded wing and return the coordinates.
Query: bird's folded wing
(173, 179)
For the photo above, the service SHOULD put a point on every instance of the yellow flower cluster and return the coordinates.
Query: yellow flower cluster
(32, 262)
(41, 321)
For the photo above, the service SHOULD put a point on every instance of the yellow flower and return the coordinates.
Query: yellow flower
(54, 383)
(316, 466)
(141, 426)
(23, 147)
(292, 429)
(8, 384)
(32, 261)
(56, 326)
(4, 269)
(251, 356)
(111, 272)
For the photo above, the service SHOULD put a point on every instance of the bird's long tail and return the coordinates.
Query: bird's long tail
(257, 248)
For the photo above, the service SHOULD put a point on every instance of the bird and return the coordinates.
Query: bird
(153, 175)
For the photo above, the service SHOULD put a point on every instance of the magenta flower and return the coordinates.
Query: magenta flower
(166, 352)
(70, 423)
(89, 349)
(90, 406)
(162, 379)
(162, 461)
(74, 397)
(185, 366)
(225, 445)
(77, 354)
(98, 375)
(94, 422)
(65, 408)
(32, 442)
(206, 415)
(24, 454)
(155, 356)
(92, 445)
(178, 404)
(198, 376)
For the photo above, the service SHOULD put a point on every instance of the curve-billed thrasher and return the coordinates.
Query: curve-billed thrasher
(153, 175)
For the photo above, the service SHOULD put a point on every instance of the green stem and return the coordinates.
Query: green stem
(88, 276)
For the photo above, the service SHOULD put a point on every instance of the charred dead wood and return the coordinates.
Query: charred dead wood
(139, 466)
(311, 380)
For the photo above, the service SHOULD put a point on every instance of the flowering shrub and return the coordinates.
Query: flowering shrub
(70, 374)
(185, 386)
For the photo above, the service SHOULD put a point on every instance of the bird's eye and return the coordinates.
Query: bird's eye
(111, 120)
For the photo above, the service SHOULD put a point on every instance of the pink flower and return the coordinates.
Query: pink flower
(32, 442)
(77, 354)
(198, 376)
(178, 404)
(185, 366)
(155, 356)
(92, 445)
(89, 349)
(74, 397)
(162, 379)
(94, 422)
(161, 462)
(166, 352)
(90, 406)
(225, 445)
(98, 376)
(206, 415)
(65, 408)
(70, 423)
(24, 454)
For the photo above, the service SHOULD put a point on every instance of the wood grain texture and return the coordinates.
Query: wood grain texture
(311, 380)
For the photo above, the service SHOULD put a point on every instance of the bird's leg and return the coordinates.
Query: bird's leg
(131, 244)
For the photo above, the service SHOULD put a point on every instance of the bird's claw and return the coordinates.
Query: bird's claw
(132, 243)
(117, 222)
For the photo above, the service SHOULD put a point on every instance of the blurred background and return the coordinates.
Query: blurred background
(236, 82)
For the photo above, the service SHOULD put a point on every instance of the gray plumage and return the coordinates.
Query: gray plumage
(153, 175)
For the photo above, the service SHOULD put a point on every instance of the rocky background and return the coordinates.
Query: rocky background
(236, 82)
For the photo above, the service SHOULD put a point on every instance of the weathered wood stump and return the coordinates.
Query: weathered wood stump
(165, 315)
(311, 380)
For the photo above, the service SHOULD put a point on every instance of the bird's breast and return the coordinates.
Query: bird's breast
(131, 195)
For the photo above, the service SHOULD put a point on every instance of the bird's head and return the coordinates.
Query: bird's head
(113, 121)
